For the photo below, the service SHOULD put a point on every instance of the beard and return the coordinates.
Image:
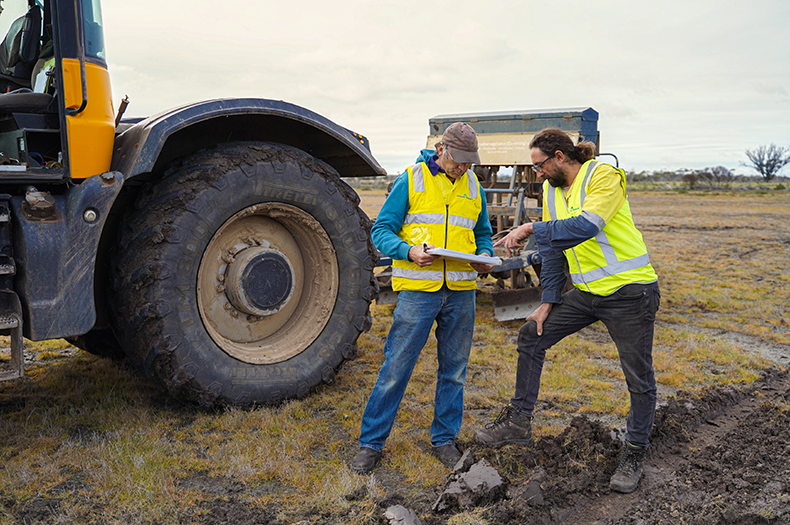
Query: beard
(557, 179)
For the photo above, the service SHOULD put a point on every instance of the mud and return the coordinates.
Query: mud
(719, 458)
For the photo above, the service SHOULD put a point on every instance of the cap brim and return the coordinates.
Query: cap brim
(464, 157)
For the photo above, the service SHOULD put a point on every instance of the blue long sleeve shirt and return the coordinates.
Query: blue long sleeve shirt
(390, 219)
(552, 237)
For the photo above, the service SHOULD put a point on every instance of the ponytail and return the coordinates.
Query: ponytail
(583, 151)
(552, 140)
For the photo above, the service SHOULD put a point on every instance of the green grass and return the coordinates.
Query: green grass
(95, 435)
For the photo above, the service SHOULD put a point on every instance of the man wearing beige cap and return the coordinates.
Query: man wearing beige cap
(438, 202)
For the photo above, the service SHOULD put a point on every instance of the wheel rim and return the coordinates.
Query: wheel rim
(267, 283)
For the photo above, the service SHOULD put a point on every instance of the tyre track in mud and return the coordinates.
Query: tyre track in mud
(670, 454)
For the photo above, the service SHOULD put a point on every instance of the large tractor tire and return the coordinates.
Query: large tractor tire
(244, 276)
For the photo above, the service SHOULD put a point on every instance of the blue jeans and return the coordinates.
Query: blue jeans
(454, 313)
(629, 314)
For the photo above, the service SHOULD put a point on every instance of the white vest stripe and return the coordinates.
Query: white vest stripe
(463, 222)
(419, 183)
(473, 184)
(424, 218)
(606, 248)
(422, 275)
(611, 269)
(551, 203)
(594, 218)
(436, 218)
(461, 276)
(590, 168)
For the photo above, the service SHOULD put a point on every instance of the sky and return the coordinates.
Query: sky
(677, 84)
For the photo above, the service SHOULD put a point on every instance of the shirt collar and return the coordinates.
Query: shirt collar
(433, 167)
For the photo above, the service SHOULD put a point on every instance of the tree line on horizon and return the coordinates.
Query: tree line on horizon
(767, 161)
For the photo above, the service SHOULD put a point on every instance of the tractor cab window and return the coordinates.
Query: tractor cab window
(20, 24)
(10, 10)
(92, 23)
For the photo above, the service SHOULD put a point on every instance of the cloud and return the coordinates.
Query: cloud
(664, 76)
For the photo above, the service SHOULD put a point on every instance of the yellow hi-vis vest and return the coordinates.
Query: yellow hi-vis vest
(616, 256)
(431, 220)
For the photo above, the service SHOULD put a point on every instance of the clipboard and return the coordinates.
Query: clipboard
(465, 257)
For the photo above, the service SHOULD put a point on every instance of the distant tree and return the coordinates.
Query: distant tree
(719, 174)
(768, 160)
(713, 176)
(690, 179)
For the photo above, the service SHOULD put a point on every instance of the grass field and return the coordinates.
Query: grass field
(87, 440)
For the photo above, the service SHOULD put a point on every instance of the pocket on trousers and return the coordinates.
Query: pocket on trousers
(631, 292)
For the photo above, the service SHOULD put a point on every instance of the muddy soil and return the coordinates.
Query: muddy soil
(720, 458)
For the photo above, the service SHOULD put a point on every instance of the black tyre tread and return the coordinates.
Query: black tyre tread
(142, 277)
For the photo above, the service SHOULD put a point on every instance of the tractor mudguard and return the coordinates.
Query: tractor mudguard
(55, 256)
(150, 145)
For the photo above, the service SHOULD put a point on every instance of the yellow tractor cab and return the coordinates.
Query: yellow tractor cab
(56, 90)
(214, 244)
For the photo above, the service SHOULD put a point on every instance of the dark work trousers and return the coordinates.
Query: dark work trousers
(629, 314)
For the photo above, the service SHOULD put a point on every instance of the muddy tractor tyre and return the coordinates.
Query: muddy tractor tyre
(244, 276)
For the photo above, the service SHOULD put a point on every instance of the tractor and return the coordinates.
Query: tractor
(213, 244)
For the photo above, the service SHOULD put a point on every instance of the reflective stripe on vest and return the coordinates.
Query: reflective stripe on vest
(431, 219)
(424, 275)
(427, 275)
(603, 280)
(437, 218)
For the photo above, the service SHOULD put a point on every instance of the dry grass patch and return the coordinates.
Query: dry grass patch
(722, 259)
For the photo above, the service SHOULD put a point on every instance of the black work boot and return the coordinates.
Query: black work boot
(510, 426)
(448, 454)
(626, 477)
(365, 460)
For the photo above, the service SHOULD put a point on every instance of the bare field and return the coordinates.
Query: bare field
(87, 440)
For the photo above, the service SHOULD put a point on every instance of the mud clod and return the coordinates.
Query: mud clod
(400, 515)
(480, 485)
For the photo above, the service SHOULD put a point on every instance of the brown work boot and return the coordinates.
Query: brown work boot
(626, 477)
(448, 454)
(510, 426)
(366, 460)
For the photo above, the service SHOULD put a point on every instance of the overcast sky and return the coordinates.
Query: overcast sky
(678, 84)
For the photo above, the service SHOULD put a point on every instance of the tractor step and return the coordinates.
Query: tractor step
(7, 265)
(11, 325)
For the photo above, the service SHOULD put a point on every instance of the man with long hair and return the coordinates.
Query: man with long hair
(587, 224)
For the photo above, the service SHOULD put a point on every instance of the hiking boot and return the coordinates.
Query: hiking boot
(510, 426)
(366, 460)
(626, 477)
(448, 454)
